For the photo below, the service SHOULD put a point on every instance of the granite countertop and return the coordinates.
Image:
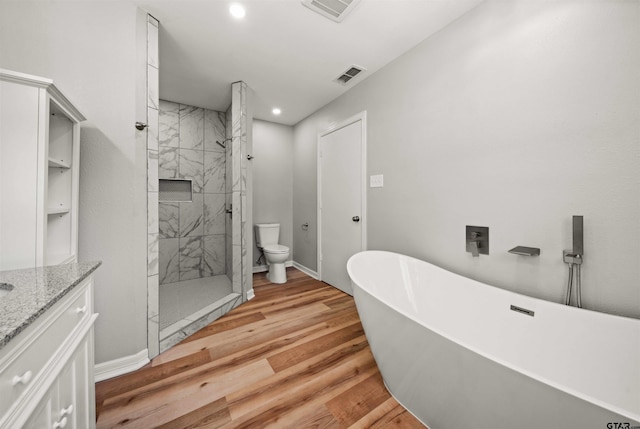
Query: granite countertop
(34, 291)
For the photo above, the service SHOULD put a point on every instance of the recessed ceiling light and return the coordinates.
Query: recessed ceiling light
(237, 10)
(276, 111)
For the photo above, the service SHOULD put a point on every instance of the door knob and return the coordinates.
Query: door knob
(356, 218)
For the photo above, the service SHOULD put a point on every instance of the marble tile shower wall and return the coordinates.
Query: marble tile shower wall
(192, 234)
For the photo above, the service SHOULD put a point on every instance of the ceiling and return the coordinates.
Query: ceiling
(288, 54)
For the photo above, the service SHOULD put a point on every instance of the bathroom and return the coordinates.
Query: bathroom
(516, 116)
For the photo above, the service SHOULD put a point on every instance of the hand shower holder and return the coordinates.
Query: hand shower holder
(569, 257)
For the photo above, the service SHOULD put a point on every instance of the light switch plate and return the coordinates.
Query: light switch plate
(376, 181)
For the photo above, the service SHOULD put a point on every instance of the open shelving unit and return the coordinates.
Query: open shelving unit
(61, 206)
(40, 175)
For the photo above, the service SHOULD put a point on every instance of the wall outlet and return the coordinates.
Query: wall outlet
(376, 181)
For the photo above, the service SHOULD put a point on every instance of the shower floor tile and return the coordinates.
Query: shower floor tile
(182, 299)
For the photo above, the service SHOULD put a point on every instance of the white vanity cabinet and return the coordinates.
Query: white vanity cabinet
(39, 159)
(46, 371)
(65, 405)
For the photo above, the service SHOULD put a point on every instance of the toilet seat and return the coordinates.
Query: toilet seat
(275, 248)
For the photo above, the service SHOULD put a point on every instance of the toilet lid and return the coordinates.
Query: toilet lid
(275, 248)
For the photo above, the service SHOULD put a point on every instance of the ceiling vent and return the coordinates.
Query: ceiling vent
(335, 10)
(352, 72)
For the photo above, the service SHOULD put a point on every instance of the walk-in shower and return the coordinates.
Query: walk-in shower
(197, 263)
(201, 215)
(192, 213)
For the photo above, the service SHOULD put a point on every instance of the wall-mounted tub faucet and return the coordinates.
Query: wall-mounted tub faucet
(477, 240)
(474, 244)
(525, 251)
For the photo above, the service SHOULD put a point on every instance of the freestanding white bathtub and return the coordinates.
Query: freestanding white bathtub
(456, 354)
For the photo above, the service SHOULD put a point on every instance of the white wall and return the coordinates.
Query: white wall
(89, 49)
(516, 117)
(273, 179)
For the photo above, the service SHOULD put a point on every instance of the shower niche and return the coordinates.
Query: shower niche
(175, 190)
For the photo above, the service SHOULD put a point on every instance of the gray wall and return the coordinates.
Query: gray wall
(98, 72)
(516, 116)
(273, 179)
(305, 186)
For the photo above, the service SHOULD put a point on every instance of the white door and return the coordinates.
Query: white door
(341, 195)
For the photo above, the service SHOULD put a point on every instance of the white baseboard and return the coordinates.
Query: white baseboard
(120, 366)
(306, 270)
(250, 294)
(263, 268)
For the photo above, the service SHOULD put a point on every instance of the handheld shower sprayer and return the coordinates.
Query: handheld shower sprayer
(574, 259)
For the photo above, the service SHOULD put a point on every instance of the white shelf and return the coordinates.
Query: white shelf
(59, 258)
(58, 210)
(58, 163)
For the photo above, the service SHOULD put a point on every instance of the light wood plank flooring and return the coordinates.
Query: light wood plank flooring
(293, 357)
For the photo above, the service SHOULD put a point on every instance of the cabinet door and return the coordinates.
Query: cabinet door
(67, 397)
(79, 390)
(74, 391)
(66, 404)
(84, 384)
(42, 416)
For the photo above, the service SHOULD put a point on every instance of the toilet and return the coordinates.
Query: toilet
(267, 235)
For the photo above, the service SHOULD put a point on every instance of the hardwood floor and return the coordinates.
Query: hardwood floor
(293, 357)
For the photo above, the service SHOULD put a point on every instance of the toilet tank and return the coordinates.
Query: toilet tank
(267, 233)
